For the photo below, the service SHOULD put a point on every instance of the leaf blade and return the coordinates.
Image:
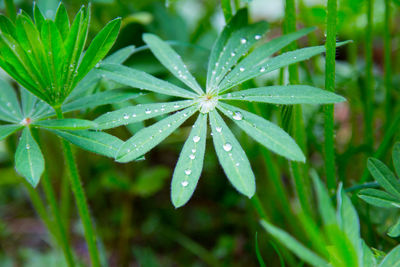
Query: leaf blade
(7, 130)
(384, 176)
(379, 198)
(66, 124)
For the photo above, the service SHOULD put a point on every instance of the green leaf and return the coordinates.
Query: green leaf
(368, 259)
(384, 176)
(294, 246)
(248, 70)
(266, 133)
(190, 163)
(29, 160)
(232, 157)
(325, 207)
(9, 107)
(147, 138)
(85, 86)
(99, 47)
(121, 55)
(237, 46)
(7, 26)
(93, 141)
(138, 79)
(235, 23)
(171, 60)
(391, 259)
(38, 16)
(7, 130)
(28, 102)
(62, 20)
(394, 231)
(66, 124)
(289, 94)
(138, 113)
(379, 198)
(396, 158)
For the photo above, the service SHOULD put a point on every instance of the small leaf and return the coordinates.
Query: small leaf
(62, 20)
(190, 163)
(368, 258)
(99, 47)
(391, 259)
(138, 79)
(121, 55)
(9, 107)
(66, 124)
(384, 176)
(294, 246)
(266, 133)
(379, 198)
(232, 157)
(394, 231)
(244, 72)
(289, 94)
(7, 130)
(171, 60)
(396, 158)
(138, 113)
(147, 138)
(29, 160)
(93, 141)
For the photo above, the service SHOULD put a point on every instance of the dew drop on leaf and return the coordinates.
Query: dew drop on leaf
(126, 116)
(185, 183)
(227, 147)
(243, 40)
(219, 129)
(237, 116)
(262, 69)
(28, 146)
(257, 37)
(241, 69)
(188, 171)
(147, 111)
(196, 138)
(191, 156)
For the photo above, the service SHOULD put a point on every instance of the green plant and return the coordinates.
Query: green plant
(229, 66)
(390, 198)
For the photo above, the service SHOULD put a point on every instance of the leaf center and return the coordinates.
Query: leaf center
(207, 103)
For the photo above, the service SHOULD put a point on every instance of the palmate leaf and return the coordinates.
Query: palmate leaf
(9, 107)
(93, 141)
(391, 259)
(190, 163)
(396, 158)
(289, 94)
(29, 160)
(246, 69)
(294, 246)
(138, 79)
(384, 176)
(379, 198)
(231, 156)
(66, 124)
(171, 60)
(266, 133)
(7, 130)
(147, 138)
(138, 113)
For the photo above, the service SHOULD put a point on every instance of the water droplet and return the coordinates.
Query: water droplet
(147, 111)
(229, 95)
(262, 69)
(98, 65)
(126, 116)
(133, 115)
(237, 164)
(219, 129)
(257, 37)
(191, 156)
(28, 146)
(214, 72)
(237, 116)
(185, 183)
(196, 138)
(227, 147)
(8, 104)
(243, 40)
(241, 69)
(233, 54)
(294, 57)
(188, 171)
(176, 106)
(193, 150)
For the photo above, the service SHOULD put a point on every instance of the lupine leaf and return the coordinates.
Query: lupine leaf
(85, 86)
(29, 160)
(147, 138)
(28, 102)
(66, 124)
(171, 60)
(396, 158)
(190, 163)
(237, 46)
(93, 141)
(62, 20)
(7, 130)
(391, 259)
(138, 79)
(266, 133)
(384, 176)
(379, 198)
(138, 113)
(295, 246)
(289, 94)
(38, 16)
(120, 56)
(394, 231)
(244, 72)
(231, 156)
(7, 26)
(368, 257)
(9, 107)
(99, 47)
(325, 207)
(235, 23)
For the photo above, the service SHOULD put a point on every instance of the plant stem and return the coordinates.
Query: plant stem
(369, 85)
(330, 86)
(80, 198)
(388, 62)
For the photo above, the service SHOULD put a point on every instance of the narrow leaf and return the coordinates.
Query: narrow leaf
(120, 56)
(29, 160)
(66, 124)
(266, 133)
(38, 16)
(394, 231)
(171, 60)
(391, 259)
(232, 157)
(289, 94)
(190, 163)
(28, 102)
(9, 107)
(138, 113)
(396, 158)
(384, 176)
(93, 141)
(368, 259)
(7, 130)
(295, 246)
(147, 138)
(62, 20)
(379, 198)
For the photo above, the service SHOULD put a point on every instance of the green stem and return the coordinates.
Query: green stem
(369, 85)
(80, 198)
(388, 62)
(330, 86)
